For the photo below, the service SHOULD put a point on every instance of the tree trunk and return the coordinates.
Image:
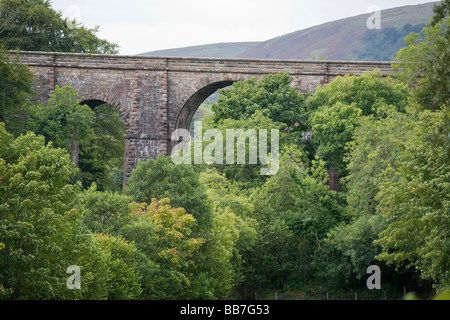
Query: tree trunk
(75, 151)
(334, 179)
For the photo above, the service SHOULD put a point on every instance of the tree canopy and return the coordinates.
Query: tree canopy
(15, 88)
(424, 62)
(33, 25)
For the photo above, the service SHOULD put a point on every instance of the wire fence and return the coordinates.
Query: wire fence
(363, 295)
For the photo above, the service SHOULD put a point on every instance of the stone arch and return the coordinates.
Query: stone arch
(190, 107)
(93, 102)
(199, 91)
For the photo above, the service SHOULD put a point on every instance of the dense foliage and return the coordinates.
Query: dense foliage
(33, 25)
(15, 88)
(369, 186)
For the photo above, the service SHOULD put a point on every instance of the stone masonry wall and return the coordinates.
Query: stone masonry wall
(155, 95)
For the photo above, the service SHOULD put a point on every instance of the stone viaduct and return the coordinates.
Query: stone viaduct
(156, 95)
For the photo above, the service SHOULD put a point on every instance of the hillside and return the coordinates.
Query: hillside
(216, 50)
(345, 39)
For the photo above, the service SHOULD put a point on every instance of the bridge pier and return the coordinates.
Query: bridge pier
(143, 148)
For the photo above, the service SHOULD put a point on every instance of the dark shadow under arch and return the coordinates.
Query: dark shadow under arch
(190, 107)
(93, 103)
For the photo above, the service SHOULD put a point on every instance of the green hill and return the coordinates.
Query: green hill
(216, 50)
(345, 39)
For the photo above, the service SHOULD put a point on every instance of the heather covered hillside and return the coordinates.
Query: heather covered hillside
(345, 39)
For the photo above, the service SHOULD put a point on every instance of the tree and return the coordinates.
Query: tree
(294, 209)
(41, 232)
(299, 195)
(441, 12)
(64, 121)
(372, 158)
(246, 175)
(101, 155)
(416, 206)
(336, 108)
(94, 137)
(32, 25)
(160, 178)
(15, 87)
(270, 261)
(424, 63)
(104, 212)
(333, 128)
(368, 92)
(162, 233)
(233, 232)
(355, 242)
(124, 278)
(272, 93)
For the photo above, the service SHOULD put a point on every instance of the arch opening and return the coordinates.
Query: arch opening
(93, 103)
(102, 157)
(195, 101)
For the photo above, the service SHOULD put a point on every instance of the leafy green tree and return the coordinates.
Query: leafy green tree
(93, 137)
(161, 178)
(270, 261)
(441, 12)
(294, 209)
(233, 232)
(424, 63)
(299, 194)
(272, 93)
(104, 212)
(124, 281)
(336, 108)
(32, 25)
(225, 194)
(64, 121)
(416, 205)
(249, 174)
(15, 87)
(368, 92)
(101, 156)
(162, 233)
(16, 154)
(349, 248)
(355, 241)
(41, 233)
(333, 128)
(372, 158)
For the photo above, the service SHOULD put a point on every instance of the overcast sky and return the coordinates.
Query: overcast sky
(140, 26)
